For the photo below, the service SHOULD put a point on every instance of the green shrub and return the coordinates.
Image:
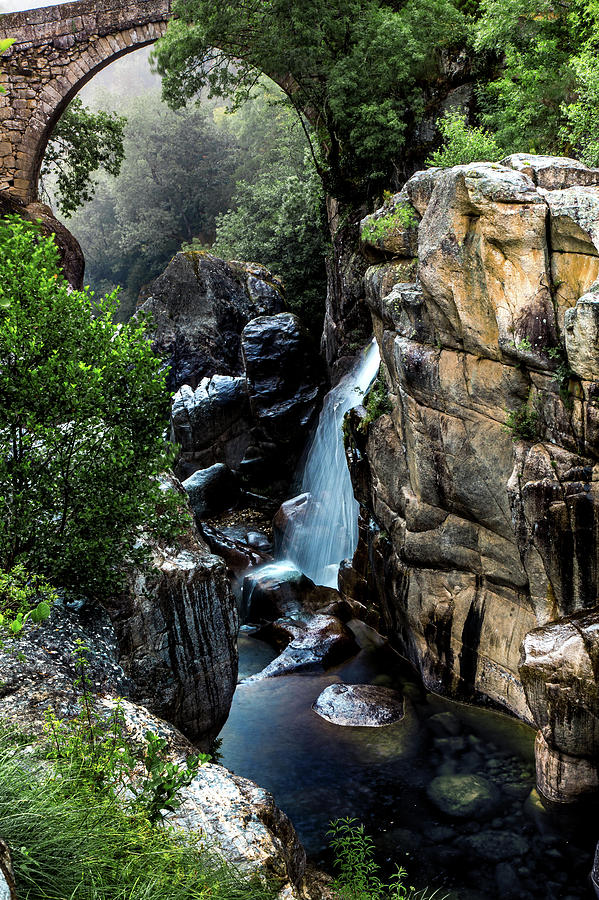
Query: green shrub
(23, 597)
(68, 839)
(525, 422)
(400, 219)
(358, 878)
(82, 413)
(463, 143)
(377, 402)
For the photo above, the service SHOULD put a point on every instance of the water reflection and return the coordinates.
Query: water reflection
(319, 771)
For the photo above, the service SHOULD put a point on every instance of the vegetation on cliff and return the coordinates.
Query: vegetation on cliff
(357, 73)
(82, 411)
(71, 836)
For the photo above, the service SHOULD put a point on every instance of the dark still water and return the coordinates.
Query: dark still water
(318, 772)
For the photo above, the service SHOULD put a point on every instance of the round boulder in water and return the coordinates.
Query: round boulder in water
(464, 796)
(359, 704)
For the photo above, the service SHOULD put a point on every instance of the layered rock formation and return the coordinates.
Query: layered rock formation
(176, 627)
(199, 307)
(249, 377)
(482, 480)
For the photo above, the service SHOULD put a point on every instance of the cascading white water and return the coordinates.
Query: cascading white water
(328, 531)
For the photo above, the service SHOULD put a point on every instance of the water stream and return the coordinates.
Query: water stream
(328, 532)
(318, 771)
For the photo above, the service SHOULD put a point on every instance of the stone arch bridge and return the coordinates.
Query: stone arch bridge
(57, 50)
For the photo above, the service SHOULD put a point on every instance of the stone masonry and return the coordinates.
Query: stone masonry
(57, 50)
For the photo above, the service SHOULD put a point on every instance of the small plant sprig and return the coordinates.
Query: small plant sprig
(24, 597)
(97, 751)
(358, 872)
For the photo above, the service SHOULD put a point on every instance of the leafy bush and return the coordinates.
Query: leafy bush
(23, 597)
(525, 421)
(82, 412)
(401, 218)
(463, 143)
(96, 750)
(69, 839)
(358, 878)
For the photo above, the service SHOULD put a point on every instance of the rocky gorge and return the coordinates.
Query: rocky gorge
(473, 461)
(479, 482)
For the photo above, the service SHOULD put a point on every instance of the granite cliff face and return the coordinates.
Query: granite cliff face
(481, 483)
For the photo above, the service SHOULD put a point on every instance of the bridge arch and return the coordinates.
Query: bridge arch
(57, 50)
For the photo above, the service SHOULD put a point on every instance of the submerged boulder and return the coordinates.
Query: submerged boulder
(310, 644)
(464, 796)
(363, 705)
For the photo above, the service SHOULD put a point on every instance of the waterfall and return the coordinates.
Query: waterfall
(327, 532)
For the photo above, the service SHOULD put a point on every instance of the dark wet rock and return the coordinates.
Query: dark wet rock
(238, 555)
(595, 872)
(212, 490)
(497, 845)
(259, 541)
(176, 626)
(213, 423)
(291, 512)
(359, 705)
(312, 644)
(284, 374)
(199, 307)
(464, 796)
(275, 590)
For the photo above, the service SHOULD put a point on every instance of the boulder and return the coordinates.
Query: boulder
(362, 705)
(284, 375)
(211, 490)
(238, 555)
(464, 796)
(212, 423)
(176, 626)
(291, 513)
(199, 307)
(311, 644)
(274, 590)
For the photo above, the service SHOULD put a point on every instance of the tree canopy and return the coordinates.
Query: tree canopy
(82, 143)
(355, 71)
(82, 412)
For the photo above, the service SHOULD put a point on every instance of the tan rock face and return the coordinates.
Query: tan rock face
(483, 478)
